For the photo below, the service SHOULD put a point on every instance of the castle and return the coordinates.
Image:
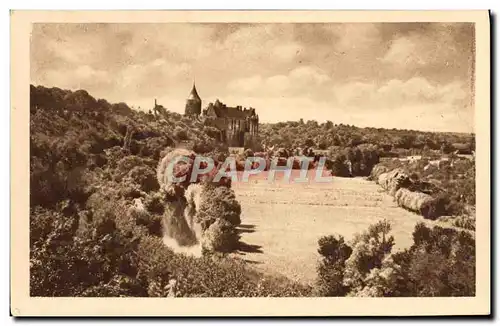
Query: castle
(239, 126)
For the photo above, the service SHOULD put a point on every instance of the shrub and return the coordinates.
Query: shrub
(381, 281)
(145, 177)
(441, 262)
(412, 200)
(127, 163)
(118, 286)
(152, 222)
(220, 236)
(180, 134)
(64, 262)
(334, 253)
(218, 203)
(209, 276)
(377, 171)
(369, 250)
(339, 167)
(436, 207)
(52, 179)
(155, 203)
(465, 222)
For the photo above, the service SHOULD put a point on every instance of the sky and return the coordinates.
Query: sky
(390, 75)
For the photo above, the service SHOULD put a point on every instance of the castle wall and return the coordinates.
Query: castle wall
(239, 126)
(251, 141)
(193, 107)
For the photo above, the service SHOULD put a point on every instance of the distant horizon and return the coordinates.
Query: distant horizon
(305, 119)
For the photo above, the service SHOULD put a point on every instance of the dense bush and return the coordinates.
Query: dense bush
(155, 202)
(218, 202)
(145, 177)
(209, 276)
(151, 221)
(65, 262)
(452, 186)
(438, 206)
(180, 133)
(217, 212)
(334, 252)
(56, 172)
(441, 262)
(356, 161)
(97, 215)
(368, 251)
(220, 236)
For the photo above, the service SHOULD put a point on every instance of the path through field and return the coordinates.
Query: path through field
(281, 223)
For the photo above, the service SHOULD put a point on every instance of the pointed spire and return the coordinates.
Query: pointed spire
(194, 93)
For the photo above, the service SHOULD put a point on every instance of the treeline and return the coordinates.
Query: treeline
(390, 142)
(66, 100)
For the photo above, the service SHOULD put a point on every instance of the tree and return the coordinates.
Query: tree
(369, 250)
(80, 100)
(334, 252)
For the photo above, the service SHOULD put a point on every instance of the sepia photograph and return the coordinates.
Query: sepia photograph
(316, 156)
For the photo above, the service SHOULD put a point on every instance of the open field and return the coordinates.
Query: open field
(281, 223)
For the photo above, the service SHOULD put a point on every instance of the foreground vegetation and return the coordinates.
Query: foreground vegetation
(441, 262)
(87, 236)
(99, 208)
(445, 190)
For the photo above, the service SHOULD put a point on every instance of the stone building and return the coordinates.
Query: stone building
(193, 103)
(239, 126)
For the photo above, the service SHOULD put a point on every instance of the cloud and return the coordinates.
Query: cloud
(403, 51)
(61, 51)
(286, 52)
(400, 93)
(309, 75)
(351, 72)
(299, 80)
(356, 37)
(439, 51)
(136, 76)
(252, 84)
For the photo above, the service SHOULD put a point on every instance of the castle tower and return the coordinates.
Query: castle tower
(193, 103)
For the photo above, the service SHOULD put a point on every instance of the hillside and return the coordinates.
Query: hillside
(390, 142)
(100, 212)
(91, 162)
